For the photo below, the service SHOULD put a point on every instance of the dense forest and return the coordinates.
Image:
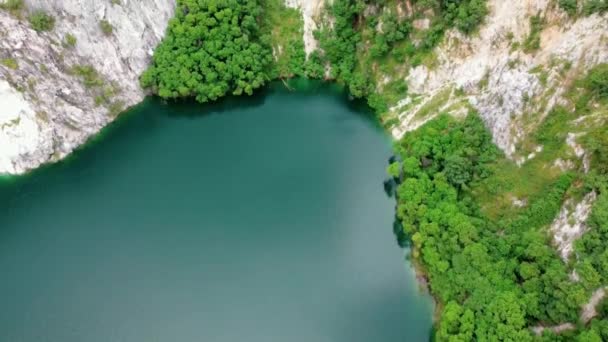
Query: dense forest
(495, 278)
(211, 48)
(494, 272)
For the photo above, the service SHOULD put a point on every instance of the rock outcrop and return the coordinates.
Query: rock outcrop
(496, 74)
(64, 85)
(311, 9)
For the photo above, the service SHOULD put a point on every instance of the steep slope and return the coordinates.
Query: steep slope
(59, 87)
(505, 81)
(511, 242)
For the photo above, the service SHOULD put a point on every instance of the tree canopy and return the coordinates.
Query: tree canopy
(212, 48)
(496, 278)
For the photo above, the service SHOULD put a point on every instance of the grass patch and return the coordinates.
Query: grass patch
(13, 6)
(10, 63)
(434, 105)
(69, 40)
(88, 74)
(532, 42)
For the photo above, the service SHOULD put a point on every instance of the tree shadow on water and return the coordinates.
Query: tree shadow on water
(191, 109)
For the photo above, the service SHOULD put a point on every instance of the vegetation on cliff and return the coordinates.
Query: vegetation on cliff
(492, 276)
(369, 41)
(491, 264)
(494, 269)
(211, 48)
(585, 7)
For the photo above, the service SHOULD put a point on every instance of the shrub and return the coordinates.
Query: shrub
(212, 48)
(569, 6)
(69, 40)
(12, 5)
(41, 21)
(106, 27)
(595, 6)
(470, 15)
(88, 74)
(597, 81)
(532, 42)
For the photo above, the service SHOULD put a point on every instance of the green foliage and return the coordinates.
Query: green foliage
(41, 21)
(595, 6)
(362, 50)
(596, 143)
(597, 81)
(284, 26)
(69, 40)
(496, 278)
(393, 31)
(104, 93)
(106, 27)
(10, 63)
(466, 15)
(211, 48)
(88, 75)
(570, 6)
(339, 44)
(591, 247)
(314, 67)
(532, 42)
(12, 5)
(588, 6)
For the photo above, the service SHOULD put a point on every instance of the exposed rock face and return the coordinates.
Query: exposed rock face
(310, 10)
(51, 111)
(46, 110)
(590, 308)
(570, 224)
(498, 78)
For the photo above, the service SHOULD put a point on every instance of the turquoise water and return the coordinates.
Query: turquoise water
(255, 219)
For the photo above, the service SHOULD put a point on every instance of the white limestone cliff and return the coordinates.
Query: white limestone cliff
(57, 112)
(46, 111)
(499, 80)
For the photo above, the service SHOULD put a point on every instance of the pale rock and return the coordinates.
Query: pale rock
(56, 112)
(589, 309)
(487, 59)
(422, 24)
(570, 224)
(311, 9)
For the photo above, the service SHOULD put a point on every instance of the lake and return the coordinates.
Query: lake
(252, 219)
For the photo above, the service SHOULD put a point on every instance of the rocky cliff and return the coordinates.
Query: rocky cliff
(59, 87)
(57, 95)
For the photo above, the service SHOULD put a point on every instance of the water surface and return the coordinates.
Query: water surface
(259, 219)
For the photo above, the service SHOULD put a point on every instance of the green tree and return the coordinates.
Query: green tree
(212, 48)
